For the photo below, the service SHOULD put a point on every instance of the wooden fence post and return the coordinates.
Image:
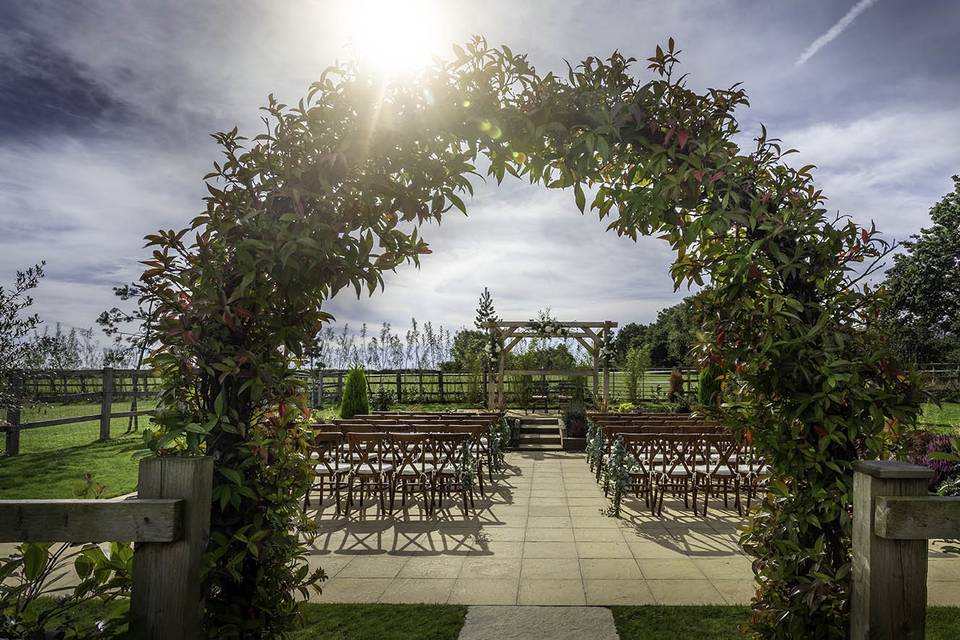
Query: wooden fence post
(889, 599)
(106, 403)
(440, 385)
(12, 445)
(320, 388)
(167, 600)
(399, 387)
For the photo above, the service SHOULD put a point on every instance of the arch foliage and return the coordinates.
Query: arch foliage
(329, 198)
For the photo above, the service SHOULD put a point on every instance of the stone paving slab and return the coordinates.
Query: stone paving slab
(540, 537)
(524, 623)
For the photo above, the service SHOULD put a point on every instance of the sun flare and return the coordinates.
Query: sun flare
(394, 38)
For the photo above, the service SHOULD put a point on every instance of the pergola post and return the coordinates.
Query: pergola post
(491, 380)
(606, 368)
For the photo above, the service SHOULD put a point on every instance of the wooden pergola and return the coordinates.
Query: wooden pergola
(590, 335)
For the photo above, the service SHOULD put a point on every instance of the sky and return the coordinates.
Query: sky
(105, 109)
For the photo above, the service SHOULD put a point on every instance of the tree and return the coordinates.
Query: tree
(485, 311)
(923, 304)
(466, 353)
(15, 327)
(131, 331)
(637, 362)
(630, 335)
(709, 389)
(671, 337)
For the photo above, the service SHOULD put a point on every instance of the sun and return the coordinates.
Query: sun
(394, 38)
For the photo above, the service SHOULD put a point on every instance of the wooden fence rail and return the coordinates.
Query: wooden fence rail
(325, 387)
(57, 387)
(169, 521)
(893, 518)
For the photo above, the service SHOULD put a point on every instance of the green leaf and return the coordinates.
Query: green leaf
(35, 556)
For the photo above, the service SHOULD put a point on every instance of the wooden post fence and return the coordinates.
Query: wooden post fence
(170, 523)
(106, 403)
(893, 518)
(12, 444)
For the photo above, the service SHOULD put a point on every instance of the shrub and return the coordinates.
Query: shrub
(382, 399)
(708, 389)
(924, 450)
(354, 401)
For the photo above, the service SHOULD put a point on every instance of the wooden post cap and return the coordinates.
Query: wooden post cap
(892, 469)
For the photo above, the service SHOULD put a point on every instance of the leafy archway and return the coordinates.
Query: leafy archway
(328, 196)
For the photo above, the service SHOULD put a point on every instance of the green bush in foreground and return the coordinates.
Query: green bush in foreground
(355, 401)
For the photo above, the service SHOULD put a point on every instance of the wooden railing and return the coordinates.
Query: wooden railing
(893, 518)
(169, 521)
(430, 385)
(65, 387)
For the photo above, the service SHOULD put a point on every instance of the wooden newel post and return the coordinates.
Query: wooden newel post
(167, 600)
(106, 403)
(889, 599)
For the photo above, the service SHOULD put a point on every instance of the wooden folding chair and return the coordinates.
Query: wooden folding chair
(330, 469)
(368, 470)
(680, 453)
(450, 471)
(411, 471)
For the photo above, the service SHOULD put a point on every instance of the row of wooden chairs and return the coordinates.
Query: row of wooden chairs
(480, 429)
(381, 464)
(691, 465)
(681, 454)
(411, 453)
(609, 432)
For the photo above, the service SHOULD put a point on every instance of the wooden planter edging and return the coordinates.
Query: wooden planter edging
(170, 522)
(893, 517)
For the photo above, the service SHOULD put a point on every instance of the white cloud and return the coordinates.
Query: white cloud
(834, 32)
(887, 166)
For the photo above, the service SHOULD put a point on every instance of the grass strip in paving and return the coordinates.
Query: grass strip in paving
(381, 622)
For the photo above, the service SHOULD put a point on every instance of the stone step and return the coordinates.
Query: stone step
(539, 440)
(540, 429)
(539, 421)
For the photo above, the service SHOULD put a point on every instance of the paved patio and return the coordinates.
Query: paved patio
(540, 538)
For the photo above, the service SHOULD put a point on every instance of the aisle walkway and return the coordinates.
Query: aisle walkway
(540, 538)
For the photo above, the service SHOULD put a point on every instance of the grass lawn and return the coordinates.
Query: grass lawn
(443, 622)
(721, 622)
(329, 413)
(54, 460)
(381, 622)
(59, 472)
(945, 417)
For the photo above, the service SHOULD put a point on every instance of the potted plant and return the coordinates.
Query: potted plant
(575, 421)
